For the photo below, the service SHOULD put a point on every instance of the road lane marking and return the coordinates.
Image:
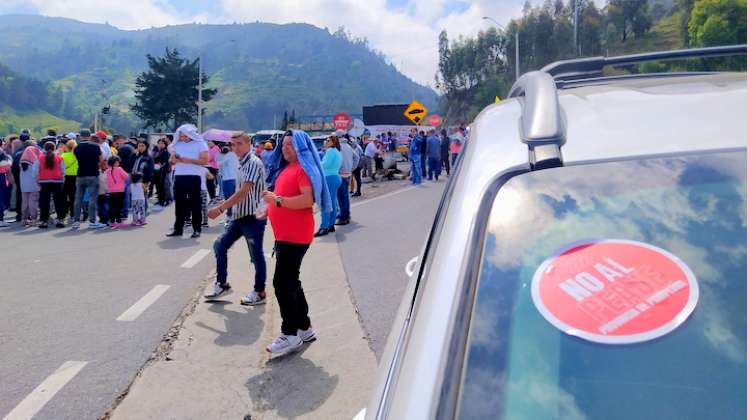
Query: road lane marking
(196, 258)
(387, 195)
(410, 267)
(35, 401)
(141, 305)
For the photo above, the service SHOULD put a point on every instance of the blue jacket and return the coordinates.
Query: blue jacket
(308, 158)
(433, 147)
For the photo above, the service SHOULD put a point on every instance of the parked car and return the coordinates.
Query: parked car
(263, 136)
(588, 258)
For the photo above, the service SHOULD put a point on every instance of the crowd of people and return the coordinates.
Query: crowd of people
(63, 180)
(106, 180)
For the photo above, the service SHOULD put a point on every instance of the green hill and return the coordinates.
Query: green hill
(259, 69)
(36, 121)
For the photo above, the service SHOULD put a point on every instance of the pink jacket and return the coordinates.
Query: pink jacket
(115, 179)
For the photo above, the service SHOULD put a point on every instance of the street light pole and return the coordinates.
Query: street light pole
(501, 27)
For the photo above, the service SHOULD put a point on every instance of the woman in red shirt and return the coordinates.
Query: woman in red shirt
(51, 180)
(292, 218)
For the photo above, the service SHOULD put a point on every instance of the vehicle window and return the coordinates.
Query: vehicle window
(519, 366)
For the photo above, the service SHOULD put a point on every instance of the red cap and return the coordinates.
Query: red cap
(101, 134)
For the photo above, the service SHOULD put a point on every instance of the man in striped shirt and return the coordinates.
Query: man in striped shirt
(248, 220)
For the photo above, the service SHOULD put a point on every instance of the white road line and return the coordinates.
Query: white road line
(410, 267)
(196, 258)
(35, 401)
(360, 203)
(141, 305)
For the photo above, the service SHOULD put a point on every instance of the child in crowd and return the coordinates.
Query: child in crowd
(116, 178)
(137, 198)
(29, 191)
(102, 204)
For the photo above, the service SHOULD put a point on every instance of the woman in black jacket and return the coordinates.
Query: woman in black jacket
(161, 171)
(144, 165)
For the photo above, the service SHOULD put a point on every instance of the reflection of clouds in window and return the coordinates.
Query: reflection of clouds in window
(693, 207)
(542, 400)
(482, 388)
(717, 330)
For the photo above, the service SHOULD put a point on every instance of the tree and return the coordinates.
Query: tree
(629, 17)
(718, 22)
(167, 94)
(284, 124)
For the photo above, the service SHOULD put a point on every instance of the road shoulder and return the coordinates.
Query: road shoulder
(217, 366)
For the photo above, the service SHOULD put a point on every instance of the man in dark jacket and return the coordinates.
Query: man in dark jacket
(445, 164)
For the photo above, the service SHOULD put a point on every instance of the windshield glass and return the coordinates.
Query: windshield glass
(520, 366)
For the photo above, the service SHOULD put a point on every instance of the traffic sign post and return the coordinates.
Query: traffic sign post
(416, 112)
(342, 121)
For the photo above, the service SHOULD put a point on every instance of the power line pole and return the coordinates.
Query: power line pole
(199, 96)
(575, 28)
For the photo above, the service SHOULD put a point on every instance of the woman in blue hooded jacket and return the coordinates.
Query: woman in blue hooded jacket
(331, 168)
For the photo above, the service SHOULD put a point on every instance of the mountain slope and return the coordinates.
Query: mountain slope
(259, 69)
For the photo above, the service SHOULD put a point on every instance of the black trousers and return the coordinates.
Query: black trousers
(445, 164)
(18, 199)
(50, 191)
(358, 180)
(187, 200)
(69, 194)
(160, 181)
(116, 203)
(293, 307)
(211, 183)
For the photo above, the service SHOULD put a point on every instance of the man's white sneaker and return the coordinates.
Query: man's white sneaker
(219, 290)
(75, 226)
(96, 225)
(253, 298)
(284, 345)
(307, 336)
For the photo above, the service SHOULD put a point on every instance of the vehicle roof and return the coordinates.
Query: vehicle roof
(271, 132)
(617, 120)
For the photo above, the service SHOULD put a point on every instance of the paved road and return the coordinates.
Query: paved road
(385, 234)
(62, 294)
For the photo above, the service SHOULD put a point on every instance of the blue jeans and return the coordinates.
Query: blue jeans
(417, 176)
(83, 185)
(434, 167)
(227, 188)
(328, 218)
(253, 231)
(343, 198)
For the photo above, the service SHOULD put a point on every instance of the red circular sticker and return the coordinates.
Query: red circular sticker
(615, 291)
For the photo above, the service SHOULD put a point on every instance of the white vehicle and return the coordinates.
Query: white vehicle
(263, 136)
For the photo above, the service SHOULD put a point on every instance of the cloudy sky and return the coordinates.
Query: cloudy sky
(406, 31)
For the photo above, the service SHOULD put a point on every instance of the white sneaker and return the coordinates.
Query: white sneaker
(253, 298)
(3, 224)
(307, 336)
(219, 290)
(284, 345)
(75, 226)
(96, 225)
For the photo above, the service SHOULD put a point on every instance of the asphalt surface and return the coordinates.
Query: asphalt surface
(64, 290)
(385, 233)
(62, 293)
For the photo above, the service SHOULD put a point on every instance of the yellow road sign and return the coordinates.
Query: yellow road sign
(416, 112)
